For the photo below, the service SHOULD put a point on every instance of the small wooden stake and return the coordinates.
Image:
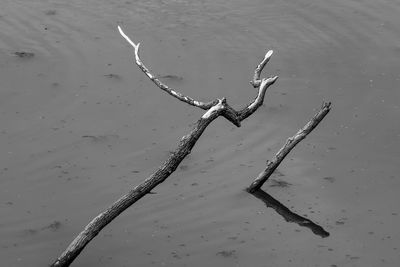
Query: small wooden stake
(290, 144)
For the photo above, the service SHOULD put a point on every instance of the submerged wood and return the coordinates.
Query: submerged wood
(216, 108)
(290, 144)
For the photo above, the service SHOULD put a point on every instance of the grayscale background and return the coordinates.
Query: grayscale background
(80, 124)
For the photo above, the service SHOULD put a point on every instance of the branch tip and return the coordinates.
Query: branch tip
(326, 105)
(274, 78)
(268, 81)
(136, 46)
(269, 54)
(289, 145)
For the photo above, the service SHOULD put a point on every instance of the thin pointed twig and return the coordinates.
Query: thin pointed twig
(218, 107)
(160, 84)
(229, 113)
(290, 144)
(257, 72)
(259, 100)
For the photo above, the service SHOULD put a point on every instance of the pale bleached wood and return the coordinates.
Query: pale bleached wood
(257, 72)
(229, 113)
(216, 108)
(160, 84)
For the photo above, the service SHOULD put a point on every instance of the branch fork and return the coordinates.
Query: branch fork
(214, 109)
(229, 113)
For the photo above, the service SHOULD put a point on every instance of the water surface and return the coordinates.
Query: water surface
(80, 124)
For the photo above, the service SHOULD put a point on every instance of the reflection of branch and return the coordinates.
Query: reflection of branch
(288, 215)
(255, 187)
(290, 144)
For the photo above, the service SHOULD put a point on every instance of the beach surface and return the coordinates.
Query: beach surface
(80, 125)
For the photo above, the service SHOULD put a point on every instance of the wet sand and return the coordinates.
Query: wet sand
(80, 124)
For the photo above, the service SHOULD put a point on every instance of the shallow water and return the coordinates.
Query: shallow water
(80, 124)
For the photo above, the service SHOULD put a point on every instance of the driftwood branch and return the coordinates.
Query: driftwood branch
(255, 187)
(229, 113)
(216, 108)
(290, 144)
(160, 84)
(97, 224)
(256, 79)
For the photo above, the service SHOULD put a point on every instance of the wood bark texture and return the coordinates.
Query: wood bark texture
(215, 108)
(289, 145)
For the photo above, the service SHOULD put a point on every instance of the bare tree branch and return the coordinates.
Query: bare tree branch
(258, 101)
(290, 144)
(216, 108)
(160, 84)
(257, 72)
(229, 113)
(97, 224)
